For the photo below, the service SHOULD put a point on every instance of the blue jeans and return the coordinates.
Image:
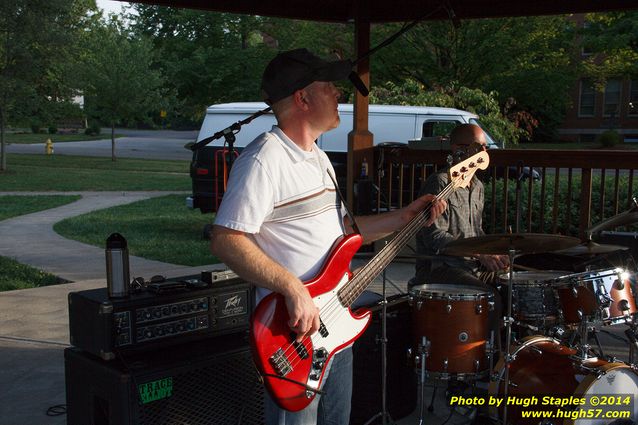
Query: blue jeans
(331, 408)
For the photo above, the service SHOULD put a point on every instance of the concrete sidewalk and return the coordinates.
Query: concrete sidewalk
(30, 239)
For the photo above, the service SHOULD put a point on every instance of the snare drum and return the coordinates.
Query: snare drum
(543, 367)
(605, 295)
(533, 297)
(454, 320)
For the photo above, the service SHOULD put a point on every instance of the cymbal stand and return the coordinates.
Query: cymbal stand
(424, 352)
(583, 347)
(508, 335)
(632, 336)
(384, 357)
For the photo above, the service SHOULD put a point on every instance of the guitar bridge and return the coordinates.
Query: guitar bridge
(280, 363)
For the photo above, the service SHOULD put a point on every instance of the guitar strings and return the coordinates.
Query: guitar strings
(333, 307)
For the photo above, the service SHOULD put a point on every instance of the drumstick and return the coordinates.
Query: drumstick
(525, 268)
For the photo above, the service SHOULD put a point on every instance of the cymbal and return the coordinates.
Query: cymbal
(591, 248)
(527, 243)
(622, 219)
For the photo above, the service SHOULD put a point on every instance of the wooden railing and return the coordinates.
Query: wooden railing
(574, 189)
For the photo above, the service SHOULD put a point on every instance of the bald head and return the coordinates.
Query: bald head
(466, 134)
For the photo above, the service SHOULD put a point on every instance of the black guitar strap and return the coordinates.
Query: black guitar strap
(343, 202)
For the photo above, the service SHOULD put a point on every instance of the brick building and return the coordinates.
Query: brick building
(594, 111)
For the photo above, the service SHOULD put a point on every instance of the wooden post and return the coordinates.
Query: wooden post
(360, 138)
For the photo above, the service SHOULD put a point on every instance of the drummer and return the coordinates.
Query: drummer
(462, 219)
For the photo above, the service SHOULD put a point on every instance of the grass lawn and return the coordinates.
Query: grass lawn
(14, 275)
(15, 205)
(27, 138)
(75, 173)
(160, 229)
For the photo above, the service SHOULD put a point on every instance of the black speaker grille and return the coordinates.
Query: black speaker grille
(225, 391)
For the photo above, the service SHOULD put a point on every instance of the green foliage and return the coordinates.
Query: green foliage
(485, 105)
(14, 275)
(37, 51)
(93, 130)
(207, 57)
(609, 138)
(526, 61)
(120, 84)
(149, 227)
(567, 220)
(612, 38)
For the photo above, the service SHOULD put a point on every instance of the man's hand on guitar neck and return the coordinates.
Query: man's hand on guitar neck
(304, 314)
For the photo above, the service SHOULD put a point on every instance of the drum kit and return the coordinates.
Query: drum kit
(550, 318)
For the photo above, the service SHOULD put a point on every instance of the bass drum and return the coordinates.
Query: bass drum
(544, 367)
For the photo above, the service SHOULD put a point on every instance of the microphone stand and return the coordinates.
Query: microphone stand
(508, 335)
(384, 342)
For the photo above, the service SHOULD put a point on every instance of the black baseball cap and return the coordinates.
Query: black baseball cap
(295, 69)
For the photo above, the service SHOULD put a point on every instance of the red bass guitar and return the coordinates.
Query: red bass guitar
(293, 371)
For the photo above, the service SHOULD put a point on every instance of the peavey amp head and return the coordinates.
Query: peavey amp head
(164, 313)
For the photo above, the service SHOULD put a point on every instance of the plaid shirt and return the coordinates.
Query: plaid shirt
(462, 218)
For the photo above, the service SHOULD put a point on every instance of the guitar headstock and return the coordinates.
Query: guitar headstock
(461, 174)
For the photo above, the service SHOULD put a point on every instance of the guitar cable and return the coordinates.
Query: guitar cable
(301, 384)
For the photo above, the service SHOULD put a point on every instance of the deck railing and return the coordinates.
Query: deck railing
(574, 189)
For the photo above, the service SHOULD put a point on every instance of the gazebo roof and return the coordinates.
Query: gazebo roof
(398, 10)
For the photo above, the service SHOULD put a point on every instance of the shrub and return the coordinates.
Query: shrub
(53, 129)
(35, 128)
(609, 138)
(93, 130)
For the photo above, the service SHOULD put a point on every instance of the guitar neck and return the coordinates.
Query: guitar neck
(349, 293)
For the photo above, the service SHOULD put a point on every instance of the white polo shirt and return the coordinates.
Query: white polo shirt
(283, 197)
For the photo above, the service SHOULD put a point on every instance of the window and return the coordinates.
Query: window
(612, 98)
(633, 98)
(587, 101)
(438, 128)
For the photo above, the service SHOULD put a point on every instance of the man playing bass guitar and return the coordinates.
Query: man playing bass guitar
(280, 218)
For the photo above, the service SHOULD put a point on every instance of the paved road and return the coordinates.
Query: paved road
(148, 144)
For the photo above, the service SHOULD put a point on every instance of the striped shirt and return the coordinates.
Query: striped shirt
(283, 197)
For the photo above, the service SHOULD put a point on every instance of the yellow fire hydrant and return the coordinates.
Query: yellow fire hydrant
(48, 147)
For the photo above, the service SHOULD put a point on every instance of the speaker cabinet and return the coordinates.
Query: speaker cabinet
(401, 391)
(207, 382)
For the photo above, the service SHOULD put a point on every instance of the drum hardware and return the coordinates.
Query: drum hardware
(489, 348)
(458, 350)
(384, 353)
(424, 352)
(632, 336)
(557, 372)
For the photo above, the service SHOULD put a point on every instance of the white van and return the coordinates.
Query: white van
(420, 126)
(388, 123)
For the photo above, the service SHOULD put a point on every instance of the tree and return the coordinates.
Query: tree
(207, 57)
(527, 61)
(37, 40)
(119, 81)
(612, 38)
